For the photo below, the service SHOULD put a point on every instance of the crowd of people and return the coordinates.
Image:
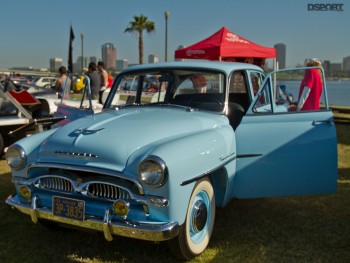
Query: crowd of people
(100, 80)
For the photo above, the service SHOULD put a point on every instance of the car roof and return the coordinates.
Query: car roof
(227, 67)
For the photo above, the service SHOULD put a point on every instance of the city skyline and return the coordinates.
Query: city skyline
(35, 36)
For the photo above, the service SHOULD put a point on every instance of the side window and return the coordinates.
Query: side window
(256, 80)
(238, 90)
(263, 102)
(238, 83)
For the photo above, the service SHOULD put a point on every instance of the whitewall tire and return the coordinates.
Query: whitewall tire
(194, 235)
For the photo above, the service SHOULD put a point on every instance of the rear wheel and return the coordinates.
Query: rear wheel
(195, 233)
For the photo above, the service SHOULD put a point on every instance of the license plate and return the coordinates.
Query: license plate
(68, 208)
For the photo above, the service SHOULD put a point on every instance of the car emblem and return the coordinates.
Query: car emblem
(87, 131)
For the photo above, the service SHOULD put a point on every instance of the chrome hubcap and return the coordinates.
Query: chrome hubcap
(199, 216)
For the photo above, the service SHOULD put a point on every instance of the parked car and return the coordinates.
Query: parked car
(26, 109)
(156, 169)
(20, 79)
(75, 106)
(14, 115)
(10, 119)
(79, 83)
(36, 90)
(47, 82)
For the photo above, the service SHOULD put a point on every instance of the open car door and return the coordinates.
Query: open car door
(77, 104)
(281, 151)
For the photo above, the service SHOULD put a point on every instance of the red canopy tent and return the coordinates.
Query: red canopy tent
(227, 46)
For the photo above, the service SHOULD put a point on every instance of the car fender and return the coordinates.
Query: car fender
(31, 146)
(188, 158)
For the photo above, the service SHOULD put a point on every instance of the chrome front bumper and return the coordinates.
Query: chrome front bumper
(109, 227)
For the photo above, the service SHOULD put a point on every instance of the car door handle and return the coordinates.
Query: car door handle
(330, 122)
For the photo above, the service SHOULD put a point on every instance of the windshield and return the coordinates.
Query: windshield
(190, 88)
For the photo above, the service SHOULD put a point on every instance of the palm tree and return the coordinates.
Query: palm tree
(137, 26)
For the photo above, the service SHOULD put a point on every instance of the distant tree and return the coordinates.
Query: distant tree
(137, 26)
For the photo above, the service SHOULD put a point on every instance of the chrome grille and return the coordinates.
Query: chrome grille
(107, 191)
(55, 184)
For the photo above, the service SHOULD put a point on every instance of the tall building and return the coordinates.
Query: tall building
(79, 65)
(335, 67)
(327, 67)
(109, 55)
(55, 64)
(122, 64)
(281, 55)
(346, 63)
(153, 59)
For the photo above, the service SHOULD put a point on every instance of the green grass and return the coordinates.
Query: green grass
(289, 229)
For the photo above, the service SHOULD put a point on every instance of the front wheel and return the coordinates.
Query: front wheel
(195, 233)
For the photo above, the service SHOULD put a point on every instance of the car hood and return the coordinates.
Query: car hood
(111, 137)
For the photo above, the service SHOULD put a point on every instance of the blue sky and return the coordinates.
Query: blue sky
(33, 31)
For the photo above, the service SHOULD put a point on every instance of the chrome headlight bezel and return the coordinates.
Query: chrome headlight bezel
(16, 157)
(153, 171)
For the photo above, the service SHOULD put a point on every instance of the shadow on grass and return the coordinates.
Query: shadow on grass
(343, 131)
(290, 229)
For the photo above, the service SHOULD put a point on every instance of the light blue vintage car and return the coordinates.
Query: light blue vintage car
(188, 137)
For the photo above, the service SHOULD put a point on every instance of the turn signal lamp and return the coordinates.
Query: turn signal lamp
(25, 192)
(121, 208)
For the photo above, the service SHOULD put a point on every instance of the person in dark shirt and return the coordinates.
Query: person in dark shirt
(95, 80)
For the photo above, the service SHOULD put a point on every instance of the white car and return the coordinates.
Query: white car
(46, 82)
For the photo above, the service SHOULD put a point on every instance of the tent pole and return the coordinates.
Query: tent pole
(275, 67)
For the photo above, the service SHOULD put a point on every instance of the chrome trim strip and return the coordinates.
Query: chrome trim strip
(194, 179)
(152, 231)
(248, 155)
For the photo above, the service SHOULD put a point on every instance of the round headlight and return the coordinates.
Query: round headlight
(153, 171)
(16, 157)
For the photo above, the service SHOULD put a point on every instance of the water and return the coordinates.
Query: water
(338, 92)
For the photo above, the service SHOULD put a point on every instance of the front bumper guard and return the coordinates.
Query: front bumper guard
(144, 231)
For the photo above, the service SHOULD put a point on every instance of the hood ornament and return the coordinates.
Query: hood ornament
(86, 131)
